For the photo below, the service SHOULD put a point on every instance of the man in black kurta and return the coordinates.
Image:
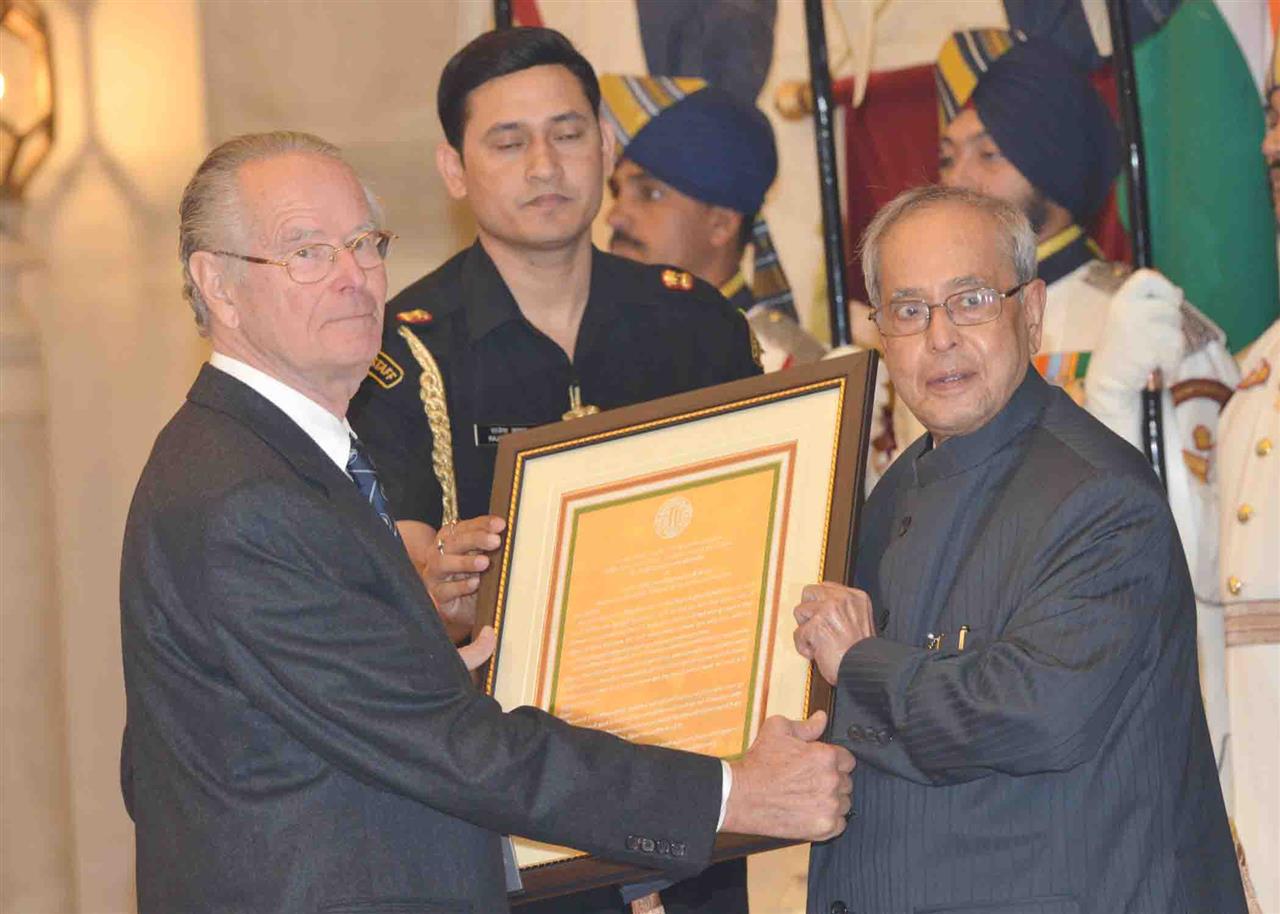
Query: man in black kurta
(1015, 667)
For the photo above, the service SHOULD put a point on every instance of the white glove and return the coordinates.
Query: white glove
(1143, 333)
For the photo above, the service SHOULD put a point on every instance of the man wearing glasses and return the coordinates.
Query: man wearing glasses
(1022, 123)
(301, 734)
(1015, 666)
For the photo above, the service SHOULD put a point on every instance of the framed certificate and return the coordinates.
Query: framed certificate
(653, 557)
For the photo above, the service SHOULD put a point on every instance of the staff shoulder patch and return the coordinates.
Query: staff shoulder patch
(385, 371)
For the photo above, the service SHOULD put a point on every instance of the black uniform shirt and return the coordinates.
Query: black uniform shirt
(647, 332)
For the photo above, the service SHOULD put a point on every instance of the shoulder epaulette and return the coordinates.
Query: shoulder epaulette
(1197, 330)
(415, 316)
(1106, 275)
(677, 280)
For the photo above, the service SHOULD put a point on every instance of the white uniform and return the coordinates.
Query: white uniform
(1249, 588)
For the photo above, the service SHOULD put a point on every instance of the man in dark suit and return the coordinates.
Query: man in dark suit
(301, 733)
(1016, 664)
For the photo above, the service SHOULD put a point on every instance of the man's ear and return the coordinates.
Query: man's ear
(210, 276)
(723, 226)
(608, 145)
(449, 164)
(1033, 299)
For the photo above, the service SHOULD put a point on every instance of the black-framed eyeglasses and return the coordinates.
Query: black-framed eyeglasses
(313, 262)
(973, 306)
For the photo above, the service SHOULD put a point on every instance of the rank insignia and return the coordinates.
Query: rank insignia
(416, 316)
(1197, 466)
(677, 279)
(1259, 375)
(385, 371)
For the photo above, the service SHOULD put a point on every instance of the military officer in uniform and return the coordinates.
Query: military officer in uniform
(687, 191)
(1020, 121)
(529, 325)
(1249, 577)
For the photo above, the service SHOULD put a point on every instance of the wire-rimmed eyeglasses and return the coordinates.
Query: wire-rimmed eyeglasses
(972, 306)
(313, 262)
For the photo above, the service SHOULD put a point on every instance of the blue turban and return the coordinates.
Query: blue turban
(710, 147)
(1051, 124)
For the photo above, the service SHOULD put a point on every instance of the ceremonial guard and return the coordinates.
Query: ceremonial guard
(456, 338)
(1019, 120)
(529, 325)
(1249, 582)
(694, 169)
(1249, 577)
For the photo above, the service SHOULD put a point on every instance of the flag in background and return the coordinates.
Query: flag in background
(1212, 223)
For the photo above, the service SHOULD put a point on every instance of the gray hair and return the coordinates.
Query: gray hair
(211, 207)
(1016, 235)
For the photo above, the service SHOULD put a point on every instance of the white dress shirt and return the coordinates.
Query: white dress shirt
(331, 434)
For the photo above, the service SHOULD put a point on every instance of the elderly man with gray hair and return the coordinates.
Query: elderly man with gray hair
(1015, 665)
(301, 733)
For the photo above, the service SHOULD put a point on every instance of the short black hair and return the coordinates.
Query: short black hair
(501, 53)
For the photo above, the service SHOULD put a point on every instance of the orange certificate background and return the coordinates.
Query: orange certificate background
(665, 621)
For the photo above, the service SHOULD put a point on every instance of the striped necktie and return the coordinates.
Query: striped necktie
(360, 467)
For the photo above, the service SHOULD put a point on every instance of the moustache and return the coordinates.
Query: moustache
(620, 237)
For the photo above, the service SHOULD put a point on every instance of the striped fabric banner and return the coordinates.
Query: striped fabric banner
(631, 101)
(964, 57)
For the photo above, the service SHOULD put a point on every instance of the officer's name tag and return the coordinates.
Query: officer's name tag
(488, 435)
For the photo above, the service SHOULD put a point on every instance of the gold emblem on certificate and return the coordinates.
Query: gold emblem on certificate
(673, 517)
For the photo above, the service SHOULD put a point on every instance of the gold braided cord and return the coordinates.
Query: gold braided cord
(431, 390)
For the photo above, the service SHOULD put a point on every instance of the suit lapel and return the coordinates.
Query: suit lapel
(219, 391)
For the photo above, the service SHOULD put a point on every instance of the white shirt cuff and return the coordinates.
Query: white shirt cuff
(726, 784)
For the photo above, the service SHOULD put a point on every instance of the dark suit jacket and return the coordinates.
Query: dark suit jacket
(301, 734)
(1060, 763)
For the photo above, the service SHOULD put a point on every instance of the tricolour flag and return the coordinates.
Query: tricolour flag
(1212, 223)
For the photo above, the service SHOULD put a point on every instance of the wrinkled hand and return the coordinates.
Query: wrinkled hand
(832, 618)
(480, 650)
(789, 785)
(450, 562)
(1143, 333)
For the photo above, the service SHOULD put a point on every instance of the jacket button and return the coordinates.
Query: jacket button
(633, 843)
(677, 849)
(839, 907)
(646, 845)
(883, 736)
(854, 732)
